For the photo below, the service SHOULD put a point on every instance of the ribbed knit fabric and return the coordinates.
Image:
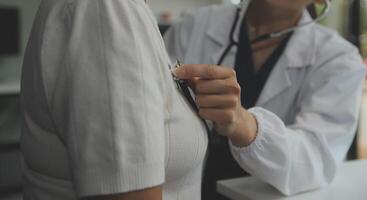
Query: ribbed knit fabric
(101, 112)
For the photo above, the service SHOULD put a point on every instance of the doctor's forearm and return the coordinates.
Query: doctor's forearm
(291, 159)
(246, 130)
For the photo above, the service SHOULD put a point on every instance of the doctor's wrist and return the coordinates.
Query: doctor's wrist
(246, 130)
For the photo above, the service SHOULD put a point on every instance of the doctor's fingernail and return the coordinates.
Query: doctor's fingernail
(173, 71)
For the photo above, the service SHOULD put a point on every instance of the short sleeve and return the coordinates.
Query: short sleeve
(108, 99)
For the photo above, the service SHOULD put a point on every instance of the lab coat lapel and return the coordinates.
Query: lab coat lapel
(278, 82)
(219, 32)
(299, 53)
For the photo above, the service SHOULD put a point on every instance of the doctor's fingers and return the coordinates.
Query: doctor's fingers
(220, 116)
(220, 86)
(217, 101)
(203, 71)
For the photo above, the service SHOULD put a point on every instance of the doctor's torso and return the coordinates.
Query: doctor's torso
(203, 36)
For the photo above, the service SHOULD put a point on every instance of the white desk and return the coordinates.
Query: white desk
(349, 184)
(12, 88)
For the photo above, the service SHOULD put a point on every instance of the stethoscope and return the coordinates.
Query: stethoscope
(183, 85)
(243, 6)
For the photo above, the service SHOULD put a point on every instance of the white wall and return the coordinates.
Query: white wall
(178, 6)
(10, 66)
(338, 16)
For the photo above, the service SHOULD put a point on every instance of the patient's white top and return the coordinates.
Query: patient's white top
(101, 113)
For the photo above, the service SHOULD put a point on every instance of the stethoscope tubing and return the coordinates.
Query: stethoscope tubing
(280, 33)
(231, 38)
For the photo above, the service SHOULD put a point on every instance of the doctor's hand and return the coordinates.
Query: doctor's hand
(218, 96)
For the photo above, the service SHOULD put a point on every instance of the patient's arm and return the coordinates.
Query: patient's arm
(154, 193)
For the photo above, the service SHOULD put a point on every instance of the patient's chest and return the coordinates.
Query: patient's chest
(186, 141)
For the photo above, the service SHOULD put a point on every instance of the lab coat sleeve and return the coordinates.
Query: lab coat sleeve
(177, 38)
(108, 102)
(305, 155)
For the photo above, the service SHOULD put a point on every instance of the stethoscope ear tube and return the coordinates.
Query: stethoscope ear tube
(232, 40)
(243, 8)
(325, 13)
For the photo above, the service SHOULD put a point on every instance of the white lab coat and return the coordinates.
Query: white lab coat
(308, 110)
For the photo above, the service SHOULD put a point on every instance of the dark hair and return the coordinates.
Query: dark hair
(312, 10)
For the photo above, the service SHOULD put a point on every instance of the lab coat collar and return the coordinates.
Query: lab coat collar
(300, 51)
(301, 48)
(220, 25)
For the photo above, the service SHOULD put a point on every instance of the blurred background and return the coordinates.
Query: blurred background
(348, 17)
